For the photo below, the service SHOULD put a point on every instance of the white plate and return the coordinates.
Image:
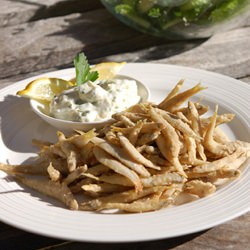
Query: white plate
(30, 211)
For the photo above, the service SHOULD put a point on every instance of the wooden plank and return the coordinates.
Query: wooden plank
(246, 79)
(33, 46)
(13, 238)
(17, 12)
(226, 53)
(71, 34)
(10, 80)
(4, 82)
(153, 53)
(230, 235)
(99, 34)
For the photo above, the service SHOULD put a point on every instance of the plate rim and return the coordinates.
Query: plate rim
(214, 74)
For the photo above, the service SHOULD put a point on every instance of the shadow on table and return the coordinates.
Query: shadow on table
(23, 240)
(59, 8)
(164, 244)
(101, 35)
(118, 40)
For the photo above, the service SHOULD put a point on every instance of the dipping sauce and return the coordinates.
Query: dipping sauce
(95, 101)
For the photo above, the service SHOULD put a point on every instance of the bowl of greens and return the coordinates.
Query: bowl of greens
(180, 18)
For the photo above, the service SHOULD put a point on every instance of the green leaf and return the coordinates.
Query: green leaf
(154, 12)
(93, 75)
(82, 69)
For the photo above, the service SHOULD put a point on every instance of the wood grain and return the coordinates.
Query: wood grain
(101, 36)
(95, 32)
(230, 235)
(235, 62)
(17, 12)
(226, 53)
(43, 36)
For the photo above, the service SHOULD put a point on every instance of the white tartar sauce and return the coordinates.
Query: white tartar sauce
(95, 101)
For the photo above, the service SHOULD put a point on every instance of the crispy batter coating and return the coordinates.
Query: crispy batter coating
(148, 158)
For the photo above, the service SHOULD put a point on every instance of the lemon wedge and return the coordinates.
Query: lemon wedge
(44, 89)
(107, 70)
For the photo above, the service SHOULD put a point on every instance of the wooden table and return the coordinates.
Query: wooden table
(41, 36)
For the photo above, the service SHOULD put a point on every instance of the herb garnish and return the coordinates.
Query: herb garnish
(83, 73)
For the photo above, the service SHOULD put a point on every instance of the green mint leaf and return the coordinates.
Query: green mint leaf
(93, 75)
(82, 69)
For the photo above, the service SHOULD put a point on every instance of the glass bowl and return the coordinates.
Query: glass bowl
(180, 18)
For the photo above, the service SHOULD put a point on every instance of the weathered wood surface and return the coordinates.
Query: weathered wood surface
(15, 12)
(227, 53)
(41, 36)
(53, 42)
(231, 235)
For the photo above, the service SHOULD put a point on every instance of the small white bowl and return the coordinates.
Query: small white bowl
(68, 126)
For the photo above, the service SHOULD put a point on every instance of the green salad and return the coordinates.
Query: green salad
(161, 15)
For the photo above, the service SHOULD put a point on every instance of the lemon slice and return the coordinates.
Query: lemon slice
(44, 89)
(107, 70)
